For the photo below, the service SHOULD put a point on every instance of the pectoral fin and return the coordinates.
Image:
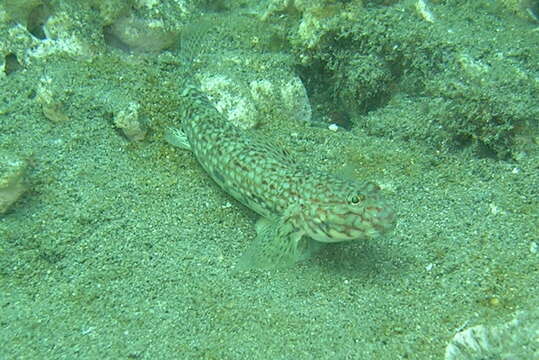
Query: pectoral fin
(278, 244)
(177, 138)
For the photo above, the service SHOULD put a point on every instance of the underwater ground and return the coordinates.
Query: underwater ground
(116, 245)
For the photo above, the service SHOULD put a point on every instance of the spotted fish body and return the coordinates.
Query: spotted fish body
(295, 202)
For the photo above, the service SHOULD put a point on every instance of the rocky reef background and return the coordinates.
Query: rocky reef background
(114, 244)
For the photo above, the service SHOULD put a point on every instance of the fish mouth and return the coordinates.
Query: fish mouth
(383, 220)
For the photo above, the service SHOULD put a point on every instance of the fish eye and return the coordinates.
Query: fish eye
(356, 198)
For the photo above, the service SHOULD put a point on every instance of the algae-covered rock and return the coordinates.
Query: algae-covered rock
(245, 81)
(525, 9)
(22, 11)
(515, 340)
(129, 122)
(246, 97)
(312, 19)
(13, 170)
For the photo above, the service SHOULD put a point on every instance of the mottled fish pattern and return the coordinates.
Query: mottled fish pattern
(297, 204)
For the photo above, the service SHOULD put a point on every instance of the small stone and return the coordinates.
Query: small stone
(333, 127)
(143, 34)
(423, 10)
(129, 122)
(52, 108)
(13, 171)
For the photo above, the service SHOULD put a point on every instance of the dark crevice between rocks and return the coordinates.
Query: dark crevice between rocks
(11, 64)
(37, 18)
(113, 41)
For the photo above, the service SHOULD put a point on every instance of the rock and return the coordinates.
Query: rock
(515, 340)
(129, 122)
(13, 170)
